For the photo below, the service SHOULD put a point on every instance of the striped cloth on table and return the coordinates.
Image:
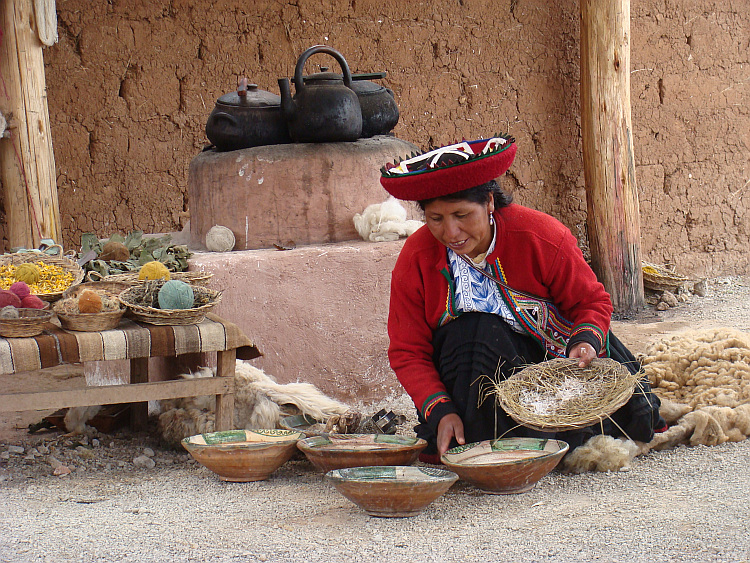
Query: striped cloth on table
(129, 340)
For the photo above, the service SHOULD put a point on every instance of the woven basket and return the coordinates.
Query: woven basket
(66, 264)
(659, 278)
(131, 278)
(133, 298)
(557, 395)
(89, 322)
(30, 322)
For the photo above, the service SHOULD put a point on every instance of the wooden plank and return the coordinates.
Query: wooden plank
(28, 169)
(608, 162)
(138, 411)
(226, 361)
(114, 394)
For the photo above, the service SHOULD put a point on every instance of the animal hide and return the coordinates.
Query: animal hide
(76, 418)
(259, 402)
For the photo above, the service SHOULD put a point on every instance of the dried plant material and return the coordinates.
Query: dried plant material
(559, 395)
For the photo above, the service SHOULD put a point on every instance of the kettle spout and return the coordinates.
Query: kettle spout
(287, 104)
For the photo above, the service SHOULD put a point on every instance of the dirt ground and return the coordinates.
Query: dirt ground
(123, 497)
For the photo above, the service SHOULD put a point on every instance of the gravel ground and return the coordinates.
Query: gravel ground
(126, 499)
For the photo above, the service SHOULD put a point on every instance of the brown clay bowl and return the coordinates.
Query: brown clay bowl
(337, 451)
(505, 465)
(243, 455)
(392, 491)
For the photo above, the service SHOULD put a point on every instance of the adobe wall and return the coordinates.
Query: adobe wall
(131, 83)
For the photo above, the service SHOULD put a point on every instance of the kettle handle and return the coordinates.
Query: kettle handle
(299, 82)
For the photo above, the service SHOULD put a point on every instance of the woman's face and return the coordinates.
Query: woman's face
(463, 226)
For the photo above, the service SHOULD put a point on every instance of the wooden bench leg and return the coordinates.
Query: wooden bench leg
(138, 411)
(225, 403)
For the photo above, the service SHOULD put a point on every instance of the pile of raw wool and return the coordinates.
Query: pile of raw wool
(259, 402)
(383, 222)
(703, 380)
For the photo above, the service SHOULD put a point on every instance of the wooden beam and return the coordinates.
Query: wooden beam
(226, 362)
(27, 162)
(115, 394)
(608, 163)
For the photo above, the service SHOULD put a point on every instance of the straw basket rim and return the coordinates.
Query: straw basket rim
(605, 386)
(131, 278)
(111, 288)
(155, 316)
(660, 278)
(17, 258)
(30, 324)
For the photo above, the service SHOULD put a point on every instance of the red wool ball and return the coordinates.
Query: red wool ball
(32, 302)
(9, 298)
(21, 289)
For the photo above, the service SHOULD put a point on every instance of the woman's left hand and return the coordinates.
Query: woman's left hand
(584, 352)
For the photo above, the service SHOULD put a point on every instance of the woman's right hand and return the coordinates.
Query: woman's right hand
(450, 426)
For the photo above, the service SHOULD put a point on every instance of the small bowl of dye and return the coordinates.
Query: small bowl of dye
(392, 491)
(337, 451)
(243, 455)
(505, 465)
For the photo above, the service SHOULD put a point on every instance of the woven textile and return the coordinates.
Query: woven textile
(129, 340)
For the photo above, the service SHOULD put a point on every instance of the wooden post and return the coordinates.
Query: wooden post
(27, 163)
(609, 167)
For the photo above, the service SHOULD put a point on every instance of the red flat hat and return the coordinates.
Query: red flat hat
(449, 169)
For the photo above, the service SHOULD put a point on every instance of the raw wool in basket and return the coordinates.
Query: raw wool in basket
(259, 402)
(383, 222)
(545, 404)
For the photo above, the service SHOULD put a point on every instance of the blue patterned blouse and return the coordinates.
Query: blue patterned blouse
(477, 293)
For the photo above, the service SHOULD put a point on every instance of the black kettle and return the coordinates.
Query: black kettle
(378, 103)
(325, 108)
(249, 117)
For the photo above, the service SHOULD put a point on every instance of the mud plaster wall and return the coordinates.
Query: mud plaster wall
(131, 83)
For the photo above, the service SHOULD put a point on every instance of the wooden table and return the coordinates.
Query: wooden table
(136, 342)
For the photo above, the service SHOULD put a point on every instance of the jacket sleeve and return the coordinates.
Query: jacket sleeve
(410, 351)
(580, 297)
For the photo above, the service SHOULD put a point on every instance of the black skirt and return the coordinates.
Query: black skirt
(476, 348)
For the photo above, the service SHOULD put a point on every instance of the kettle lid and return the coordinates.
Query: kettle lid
(249, 95)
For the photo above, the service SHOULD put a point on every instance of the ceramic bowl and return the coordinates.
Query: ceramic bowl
(505, 465)
(243, 455)
(392, 491)
(337, 451)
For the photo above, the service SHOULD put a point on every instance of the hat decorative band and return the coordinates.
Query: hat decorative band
(449, 169)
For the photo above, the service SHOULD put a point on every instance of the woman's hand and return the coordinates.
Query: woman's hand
(450, 426)
(584, 352)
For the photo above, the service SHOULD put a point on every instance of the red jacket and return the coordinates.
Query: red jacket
(533, 251)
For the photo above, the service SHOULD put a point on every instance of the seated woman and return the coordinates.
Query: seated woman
(486, 287)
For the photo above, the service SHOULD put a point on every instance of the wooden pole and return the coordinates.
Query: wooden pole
(608, 163)
(27, 163)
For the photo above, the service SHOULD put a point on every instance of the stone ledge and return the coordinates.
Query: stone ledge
(318, 313)
(301, 192)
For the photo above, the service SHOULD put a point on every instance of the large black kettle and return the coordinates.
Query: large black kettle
(324, 109)
(247, 118)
